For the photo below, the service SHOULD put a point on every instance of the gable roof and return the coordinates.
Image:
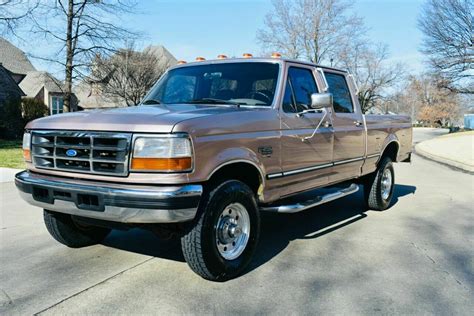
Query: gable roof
(35, 80)
(162, 53)
(88, 99)
(8, 86)
(13, 58)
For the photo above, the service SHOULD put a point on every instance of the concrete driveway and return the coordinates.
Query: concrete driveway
(416, 257)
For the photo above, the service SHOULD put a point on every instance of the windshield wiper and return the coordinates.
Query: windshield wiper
(151, 101)
(212, 101)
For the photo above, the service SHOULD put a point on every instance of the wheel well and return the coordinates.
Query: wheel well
(242, 171)
(390, 151)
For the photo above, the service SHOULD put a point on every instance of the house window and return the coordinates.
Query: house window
(57, 104)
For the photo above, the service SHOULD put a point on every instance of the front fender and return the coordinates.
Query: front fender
(235, 155)
(210, 158)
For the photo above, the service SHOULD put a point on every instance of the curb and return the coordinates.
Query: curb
(442, 160)
(8, 174)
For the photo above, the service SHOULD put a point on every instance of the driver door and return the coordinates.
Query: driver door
(305, 163)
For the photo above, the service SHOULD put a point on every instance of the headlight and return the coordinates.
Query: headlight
(26, 146)
(166, 154)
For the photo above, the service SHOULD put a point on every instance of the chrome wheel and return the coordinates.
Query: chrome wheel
(232, 231)
(386, 183)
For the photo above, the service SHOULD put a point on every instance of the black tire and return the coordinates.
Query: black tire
(199, 245)
(65, 230)
(373, 186)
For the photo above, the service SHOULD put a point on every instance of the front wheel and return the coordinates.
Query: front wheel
(222, 241)
(378, 187)
(67, 231)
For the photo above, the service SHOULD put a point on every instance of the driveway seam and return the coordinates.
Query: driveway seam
(439, 267)
(92, 286)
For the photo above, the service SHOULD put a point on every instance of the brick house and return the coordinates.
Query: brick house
(9, 89)
(40, 85)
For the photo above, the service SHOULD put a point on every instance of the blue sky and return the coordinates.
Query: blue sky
(190, 28)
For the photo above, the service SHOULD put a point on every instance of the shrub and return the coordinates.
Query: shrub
(33, 109)
(16, 113)
(12, 123)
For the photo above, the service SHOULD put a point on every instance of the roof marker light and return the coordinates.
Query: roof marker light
(221, 56)
(276, 55)
(200, 59)
(247, 55)
(180, 62)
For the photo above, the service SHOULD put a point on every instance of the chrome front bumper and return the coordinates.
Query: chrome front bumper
(110, 201)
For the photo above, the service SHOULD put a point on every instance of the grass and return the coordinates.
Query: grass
(11, 155)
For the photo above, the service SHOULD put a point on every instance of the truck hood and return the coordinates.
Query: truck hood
(147, 119)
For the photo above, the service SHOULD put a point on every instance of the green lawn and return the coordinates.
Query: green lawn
(11, 155)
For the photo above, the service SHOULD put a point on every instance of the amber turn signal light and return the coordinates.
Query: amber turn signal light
(162, 164)
(26, 154)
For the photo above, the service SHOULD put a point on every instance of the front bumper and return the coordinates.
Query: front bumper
(110, 201)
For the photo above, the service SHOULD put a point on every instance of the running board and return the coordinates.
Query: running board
(298, 207)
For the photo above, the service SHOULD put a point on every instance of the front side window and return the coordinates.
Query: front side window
(299, 88)
(342, 100)
(245, 83)
(57, 104)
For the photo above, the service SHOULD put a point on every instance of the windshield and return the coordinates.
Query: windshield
(249, 83)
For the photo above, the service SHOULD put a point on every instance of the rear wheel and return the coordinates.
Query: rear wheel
(221, 243)
(378, 187)
(64, 229)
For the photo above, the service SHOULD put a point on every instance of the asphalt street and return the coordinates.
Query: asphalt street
(417, 257)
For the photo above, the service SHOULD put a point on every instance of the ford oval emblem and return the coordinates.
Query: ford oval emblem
(71, 153)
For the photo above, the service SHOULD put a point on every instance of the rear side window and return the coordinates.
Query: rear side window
(299, 88)
(340, 92)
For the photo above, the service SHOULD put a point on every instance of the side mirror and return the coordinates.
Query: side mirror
(321, 100)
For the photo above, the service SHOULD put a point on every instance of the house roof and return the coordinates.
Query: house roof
(35, 80)
(8, 86)
(88, 99)
(13, 58)
(162, 53)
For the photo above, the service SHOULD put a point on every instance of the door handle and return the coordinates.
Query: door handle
(327, 124)
(357, 123)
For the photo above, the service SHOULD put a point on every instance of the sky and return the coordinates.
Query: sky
(191, 28)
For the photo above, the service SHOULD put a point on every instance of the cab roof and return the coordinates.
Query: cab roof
(256, 59)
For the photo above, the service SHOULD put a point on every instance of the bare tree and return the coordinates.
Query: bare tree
(82, 29)
(128, 75)
(427, 102)
(448, 41)
(372, 71)
(12, 12)
(314, 29)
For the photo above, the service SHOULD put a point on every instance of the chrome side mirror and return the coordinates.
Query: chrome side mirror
(321, 100)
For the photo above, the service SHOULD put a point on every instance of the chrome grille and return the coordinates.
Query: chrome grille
(86, 152)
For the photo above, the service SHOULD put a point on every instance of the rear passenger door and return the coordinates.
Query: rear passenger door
(349, 129)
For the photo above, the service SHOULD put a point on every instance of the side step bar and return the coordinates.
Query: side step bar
(298, 207)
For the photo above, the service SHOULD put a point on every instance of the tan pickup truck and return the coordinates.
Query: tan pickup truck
(213, 144)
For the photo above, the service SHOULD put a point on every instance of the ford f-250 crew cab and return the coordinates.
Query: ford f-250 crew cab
(213, 144)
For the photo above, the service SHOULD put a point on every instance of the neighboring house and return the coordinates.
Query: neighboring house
(14, 60)
(166, 59)
(89, 97)
(40, 85)
(89, 91)
(43, 86)
(9, 89)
